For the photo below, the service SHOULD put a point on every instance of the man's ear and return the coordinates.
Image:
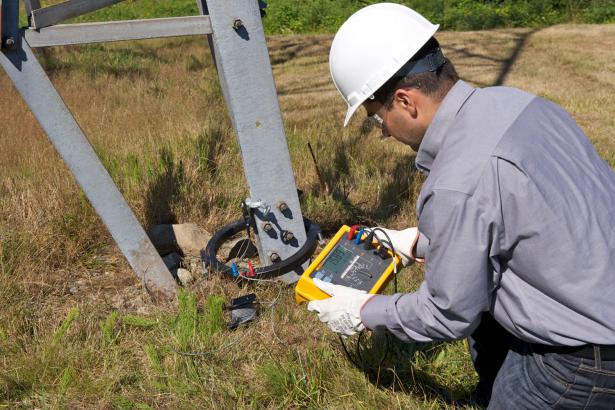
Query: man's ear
(406, 99)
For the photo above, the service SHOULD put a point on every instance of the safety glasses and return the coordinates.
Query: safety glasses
(376, 120)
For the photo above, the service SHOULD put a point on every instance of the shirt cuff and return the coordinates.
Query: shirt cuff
(374, 312)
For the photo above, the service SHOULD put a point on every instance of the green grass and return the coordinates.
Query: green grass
(325, 16)
(108, 328)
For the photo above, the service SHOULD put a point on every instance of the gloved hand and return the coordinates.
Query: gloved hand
(403, 242)
(342, 311)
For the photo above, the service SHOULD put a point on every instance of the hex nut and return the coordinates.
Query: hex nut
(288, 236)
(267, 227)
(283, 207)
(9, 42)
(237, 24)
(274, 257)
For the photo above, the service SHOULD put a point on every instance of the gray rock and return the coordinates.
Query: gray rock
(188, 238)
(288, 278)
(185, 276)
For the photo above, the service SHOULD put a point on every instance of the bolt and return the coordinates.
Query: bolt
(267, 227)
(288, 236)
(274, 257)
(237, 24)
(283, 207)
(9, 42)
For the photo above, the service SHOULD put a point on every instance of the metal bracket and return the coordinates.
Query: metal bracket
(212, 264)
(257, 204)
(9, 23)
(85, 33)
(48, 16)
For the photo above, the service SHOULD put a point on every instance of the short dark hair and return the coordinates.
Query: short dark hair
(434, 84)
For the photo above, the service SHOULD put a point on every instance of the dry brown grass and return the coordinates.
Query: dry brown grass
(154, 113)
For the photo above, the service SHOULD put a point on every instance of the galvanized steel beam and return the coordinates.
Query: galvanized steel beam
(83, 33)
(9, 23)
(247, 82)
(69, 140)
(48, 16)
(32, 5)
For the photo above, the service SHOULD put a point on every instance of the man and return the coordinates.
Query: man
(516, 221)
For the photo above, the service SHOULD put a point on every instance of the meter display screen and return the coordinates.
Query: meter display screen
(350, 259)
(352, 265)
(340, 259)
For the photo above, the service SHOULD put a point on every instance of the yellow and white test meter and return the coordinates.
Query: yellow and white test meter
(348, 260)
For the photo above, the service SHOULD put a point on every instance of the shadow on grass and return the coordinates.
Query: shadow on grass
(284, 50)
(96, 59)
(337, 181)
(209, 147)
(505, 64)
(164, 190)
(391, 364)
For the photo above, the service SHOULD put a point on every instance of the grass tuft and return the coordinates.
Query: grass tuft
(138, 321)
(108, 328)
(211, 320)
(289, 386)
(65, 381)
(186, 322)
(60, 333)
(10, 249)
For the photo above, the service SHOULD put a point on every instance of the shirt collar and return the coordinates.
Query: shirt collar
(434, 136)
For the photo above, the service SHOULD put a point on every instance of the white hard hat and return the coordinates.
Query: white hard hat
(371, 46)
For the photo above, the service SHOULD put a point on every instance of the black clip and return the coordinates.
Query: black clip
(247, 214)
(243, 310)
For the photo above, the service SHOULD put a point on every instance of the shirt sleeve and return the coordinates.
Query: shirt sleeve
(457, 281)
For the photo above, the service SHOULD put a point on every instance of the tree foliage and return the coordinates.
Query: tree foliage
(325, 16)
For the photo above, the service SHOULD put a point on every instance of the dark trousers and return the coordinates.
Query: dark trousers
(489, 345)
(513, 375)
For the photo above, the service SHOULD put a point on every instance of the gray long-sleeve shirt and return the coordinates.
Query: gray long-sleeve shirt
(518, 211)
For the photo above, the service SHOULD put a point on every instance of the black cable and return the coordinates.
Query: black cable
(386, 349)
(388, 239)
(347, 352)
(390, 247)
(212, 264)
(360, 362)
(387, 346)
(359, 356)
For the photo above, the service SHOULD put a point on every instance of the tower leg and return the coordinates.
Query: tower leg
(69, 140)
(244, 69)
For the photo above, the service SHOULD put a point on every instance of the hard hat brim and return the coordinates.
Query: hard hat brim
(350, 112)
(353, 108)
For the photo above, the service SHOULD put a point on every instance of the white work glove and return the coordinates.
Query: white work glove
(342, 311)
(403, 242)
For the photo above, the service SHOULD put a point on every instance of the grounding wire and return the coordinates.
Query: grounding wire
(390, 246)
(273, 303)
(387, 336)
(242, 252)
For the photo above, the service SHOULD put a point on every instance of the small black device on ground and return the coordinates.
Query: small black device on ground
(243, 310)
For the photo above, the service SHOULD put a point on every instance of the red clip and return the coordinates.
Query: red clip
(351, 232)
(250, 272)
